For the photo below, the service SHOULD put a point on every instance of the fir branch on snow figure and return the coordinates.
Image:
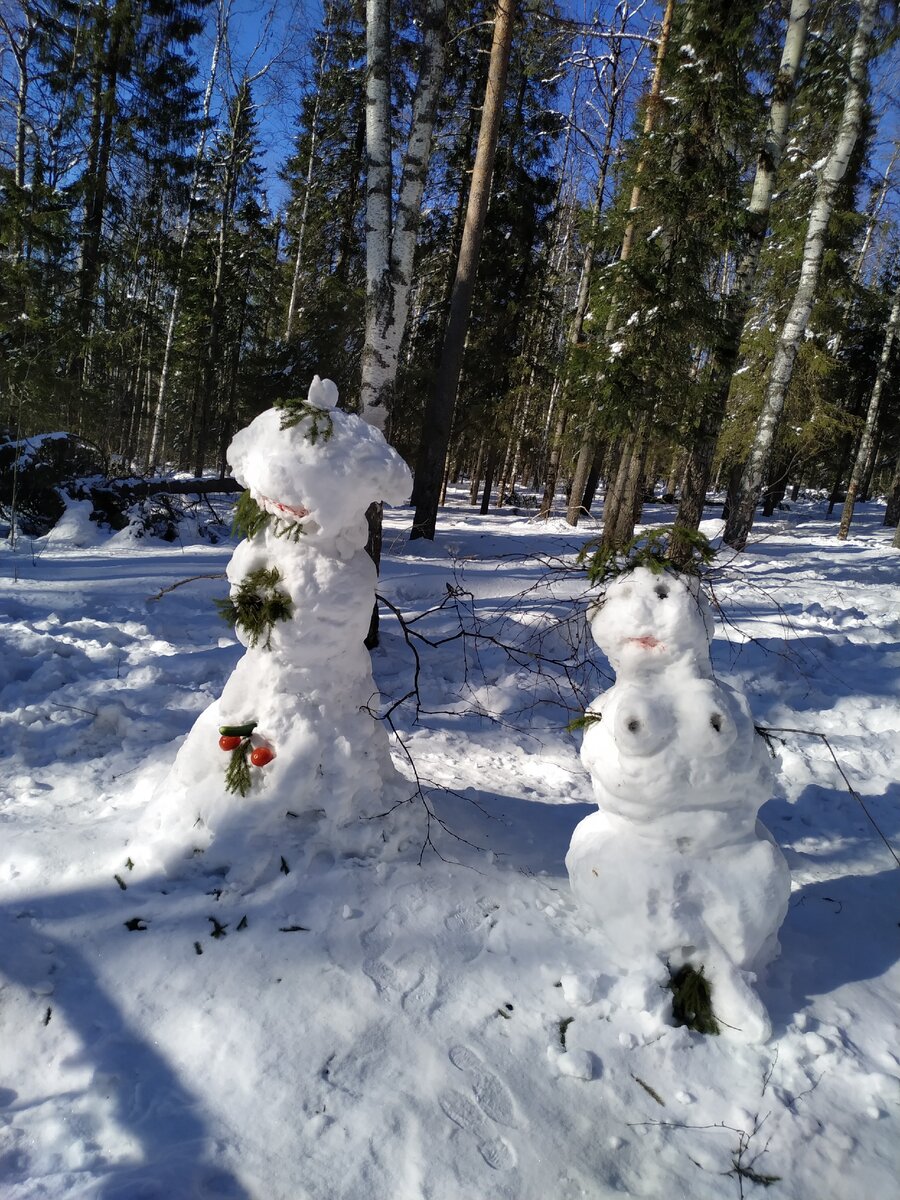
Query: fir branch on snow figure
(321, 423)
(257, 605)
(249, 518)
(659, 550)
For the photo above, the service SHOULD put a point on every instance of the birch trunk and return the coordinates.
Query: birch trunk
(307, 188)
(391, 245)
(740, 520)
(438, 417)
(865, 453)
(159, 413)
(699, 462)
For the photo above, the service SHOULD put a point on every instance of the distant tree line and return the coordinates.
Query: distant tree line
(658, 250)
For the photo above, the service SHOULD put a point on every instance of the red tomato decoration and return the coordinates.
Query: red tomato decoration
(229, 743)
(261, 756)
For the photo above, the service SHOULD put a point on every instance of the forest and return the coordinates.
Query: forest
(573, 874)
(646, 248)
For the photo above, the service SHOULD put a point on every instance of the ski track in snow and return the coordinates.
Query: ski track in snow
(407, 1041)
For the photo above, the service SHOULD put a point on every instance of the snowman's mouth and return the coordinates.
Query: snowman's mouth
(295, 511)
(647, 642)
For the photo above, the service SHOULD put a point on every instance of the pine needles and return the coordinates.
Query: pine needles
(321, 423)
(692, 1000)
(662, 549)
(256, 606)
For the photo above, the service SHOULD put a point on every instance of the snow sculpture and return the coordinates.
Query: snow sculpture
(305, 767)
(675, 867)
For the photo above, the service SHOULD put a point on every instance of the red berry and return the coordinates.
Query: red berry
(261, 756)
(229, 743)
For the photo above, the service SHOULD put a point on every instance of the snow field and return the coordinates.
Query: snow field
(407, 1041)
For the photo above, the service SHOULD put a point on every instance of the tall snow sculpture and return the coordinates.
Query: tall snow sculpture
(289, 762)
(675, 868)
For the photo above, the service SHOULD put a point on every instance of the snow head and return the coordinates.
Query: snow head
(318, 467)
(647, 621)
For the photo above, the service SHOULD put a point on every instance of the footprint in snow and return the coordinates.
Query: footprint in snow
(493, 1096)
(462, 1112)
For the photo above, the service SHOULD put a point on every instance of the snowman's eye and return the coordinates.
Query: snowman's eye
(661, 590)
(633, 725)
(716, 721)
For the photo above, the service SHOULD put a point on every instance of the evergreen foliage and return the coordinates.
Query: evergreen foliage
(257, 605)
(692, 1000)
(321, 423)
(655, 549)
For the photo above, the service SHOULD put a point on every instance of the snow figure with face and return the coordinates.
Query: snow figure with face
(290, 762)
(675, 867)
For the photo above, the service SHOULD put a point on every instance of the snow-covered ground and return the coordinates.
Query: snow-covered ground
(404, 1030)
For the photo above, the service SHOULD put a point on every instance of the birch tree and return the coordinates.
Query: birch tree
(725, 355)
(159, 413)
(866, 450)
(740, 520)
(391, 235)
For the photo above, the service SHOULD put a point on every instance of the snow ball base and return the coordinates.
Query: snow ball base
(675, 868)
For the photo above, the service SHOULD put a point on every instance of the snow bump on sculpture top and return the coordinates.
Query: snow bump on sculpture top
(327, 483)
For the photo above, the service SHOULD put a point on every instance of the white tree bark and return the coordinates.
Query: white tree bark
(740, 520)
(310, 167)
(160, 411)
(699, 461)
(391, 244)
(867, 441)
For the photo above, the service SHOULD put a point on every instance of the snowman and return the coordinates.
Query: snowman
(289, 762)
(675, 868)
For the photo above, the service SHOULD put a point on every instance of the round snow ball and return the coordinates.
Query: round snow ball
(576, 1064)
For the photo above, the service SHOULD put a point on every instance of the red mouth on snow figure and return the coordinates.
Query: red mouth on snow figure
(647, 642)
(290, 510)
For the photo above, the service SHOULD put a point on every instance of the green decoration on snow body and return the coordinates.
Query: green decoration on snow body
(257, 605)
(654, 549)
(692, 1000)
(238, 730)
(249, 519)
(321, 424)
(237, 773)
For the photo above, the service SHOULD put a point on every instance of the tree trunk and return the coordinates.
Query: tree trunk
(589, 447)
(725, 355)
(865, 456)
(489, 470)
(438, 417)
(162, 394)
(740, 521)
(307, 183)
(892, 512)
(390, 245)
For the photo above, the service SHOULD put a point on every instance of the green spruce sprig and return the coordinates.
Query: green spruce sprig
(670, 548)
(321, 423)
(257, 605)
(237, 773)
(249, 518)
(692, 1000)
